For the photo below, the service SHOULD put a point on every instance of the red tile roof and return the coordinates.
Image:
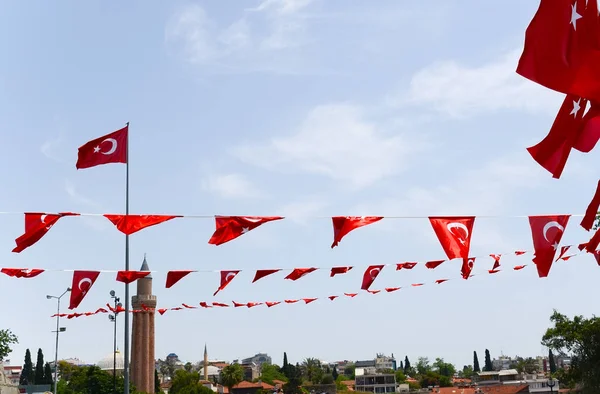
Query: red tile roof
(250, 385)
(506, 389)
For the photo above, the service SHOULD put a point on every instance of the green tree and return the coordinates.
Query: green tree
(423, 366)
(476, 368)
(432, 378)
(312, 369)
(39, 368)
(295, 380)
(334, 373)
(400, 376)
(27, 373)
(285, 367)
(488, 366)
(349, 371)
(188, 382)
(551, 361)
(271, 372)
(467, 372)
(401, 367)
(525, 365)
(48, 376)
(579, 337)
(7, 338)
(157, 389)
(188, 367)
(327, 379)
(89, 380)
(444, 368)
(232, 375)
(406, 366)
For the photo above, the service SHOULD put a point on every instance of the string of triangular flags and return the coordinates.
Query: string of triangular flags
(367, 281)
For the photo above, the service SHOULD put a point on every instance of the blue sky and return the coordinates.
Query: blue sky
(303, 108)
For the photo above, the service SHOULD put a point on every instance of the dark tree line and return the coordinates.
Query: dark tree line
(40, 375)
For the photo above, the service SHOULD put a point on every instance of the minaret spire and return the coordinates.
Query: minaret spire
(205, 363)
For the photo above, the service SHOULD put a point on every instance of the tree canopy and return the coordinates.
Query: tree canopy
(232, 375)
(579, 337)
(88, 380)
(476, 367)
(7, 339)
(188, 382)
(271, 372)
(488, 366)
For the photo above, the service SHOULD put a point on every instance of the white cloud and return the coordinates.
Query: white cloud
(458, 90)
(339, 142)
(78, 198)
(283, 7)
(300, 211)
(231, 186)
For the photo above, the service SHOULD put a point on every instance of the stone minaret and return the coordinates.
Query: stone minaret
(205, 363)
(142, 336)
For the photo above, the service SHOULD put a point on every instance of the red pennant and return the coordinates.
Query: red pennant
(332, 297)
(81, 285)
(220, 304)
(370, 275)
(298, 273)
(110, 148)
(204, 304)
(520, 252)
(373, 291)
(270, 303)
(546, 232)
(189, 306)
(309, 300)
(467, 267)
(22, 272)
(582, 246)
(494, 271)
(237, 304)
(417, 284)
(391, 289)
(597, 256)
(130, 224)
(440, 281)
(291, 301)
(230, 227)
(454, 233)
(339, 270)
(496, 258)
(519, 267)
(175, 276)
(342, 225)
(177, 308)
(36, 226)
(351, 295)
(226, 278)
(592, 210)
(131, 276)
(162, 311)
(563, 250)
(262, 273)
(406, 266)
(433, 264)
(592, 245)
(253, 304)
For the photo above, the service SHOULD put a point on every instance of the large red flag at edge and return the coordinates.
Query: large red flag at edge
(546, 231)
(454, 234)
(82, 284)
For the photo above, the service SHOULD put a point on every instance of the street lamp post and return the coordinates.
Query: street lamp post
(58, 331)
(113, 318)
(551, 384)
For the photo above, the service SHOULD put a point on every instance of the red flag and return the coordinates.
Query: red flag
(374, 291)
(417, 284)
(546, 232)
(262, 273)
(189, 306)
(204, 304)
(309, 300)
(220, 304)
(520, 252)
(494, 271)
(226, 278)
(406, 266)
(129, 224)
(454, 233)
(370, 275)
(563, 251)
(561, 47)
(272, 303)
(342, 225)
(82, 283)
(440, 281)
(36, 226)
(390, 289)
(290, 301)
(253, 304)
(298, 273)
(237, 304)
(569, 126)
(231, 227)
(467, 267)
(22, 272)
(597, 256)
(339, 270)
(162, 311)
(433, 264)
(592, 210)
(175, 276)
(332, 297)
(519, 267)
(131, 276)
(496, 258)
(351, 295)
(111, 148)
(593, 243)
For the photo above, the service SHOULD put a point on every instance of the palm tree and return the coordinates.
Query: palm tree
(232, 375)
(312, 368)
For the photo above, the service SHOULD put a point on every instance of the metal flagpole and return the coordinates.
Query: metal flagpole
(126, 330)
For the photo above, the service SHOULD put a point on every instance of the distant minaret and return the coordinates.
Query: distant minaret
(205, 363)
(142, 349)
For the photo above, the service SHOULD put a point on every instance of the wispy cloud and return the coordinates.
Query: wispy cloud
(93, 222)
(300, 211)
(52, 148)
(231, 186)
(337, 141)
(459, 91)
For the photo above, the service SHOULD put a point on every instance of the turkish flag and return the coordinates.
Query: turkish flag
(433, 264)
(440, 281)
(370, 275)
(36, 226)
(496, 258)
(309, 300)
(231, 227)
(226, 278)
(110, 148)
(203, 304)
(467, 267)
(298, 273)
(175, 276)
(338, 271)
(592, 210)
(290, 301)
(272, 303)
(220, 304)
(519, 267)
(406, 266)
(262, 273)
(342, 225)
(82, 283)
(253, 304)
(563, 251)
(597, 256)
(22, 272)
(546, 232)
(569, 128)
(351, 295)
(454, 233)
(561, 50)
(332, 297)
(593, 243)
(390, 289)
(129, 224)
(131, 276)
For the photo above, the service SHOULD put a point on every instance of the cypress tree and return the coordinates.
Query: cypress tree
(334, 373)
(476, 363)
(157, 388)
(48, 377)
(488, 366)
(27, 374)
(401, 366)
(39, 368)
(551, 361)
(406, 366)
(286, 367)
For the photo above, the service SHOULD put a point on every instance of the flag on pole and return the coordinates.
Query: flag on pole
(111, 148)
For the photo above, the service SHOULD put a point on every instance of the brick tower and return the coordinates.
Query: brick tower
(142, 336)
